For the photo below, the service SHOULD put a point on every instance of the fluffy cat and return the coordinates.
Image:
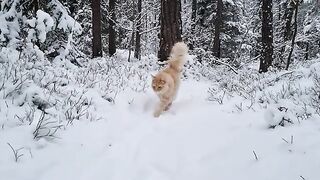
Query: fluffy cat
(166, 82)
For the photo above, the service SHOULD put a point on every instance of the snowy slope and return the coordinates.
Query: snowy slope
(195, 140)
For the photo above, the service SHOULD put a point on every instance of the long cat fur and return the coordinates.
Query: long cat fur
(166, 82)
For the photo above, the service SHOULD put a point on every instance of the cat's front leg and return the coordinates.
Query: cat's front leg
(157, 113)
(164, 104)
(159, 109)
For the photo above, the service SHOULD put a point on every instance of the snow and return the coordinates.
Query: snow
(61, 121)
(44, 24)
(9, 30)
(307, 28)
(196, 139)
(63, 19)
(229, 1)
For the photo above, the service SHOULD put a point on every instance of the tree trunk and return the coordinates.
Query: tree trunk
(35, 7)
(267, 36)
(131, 43)
(279, 10)
(306, 56)
(294, 35)
(288, 19)
(286, 28)
(112, 32)
(170, 21)
(137, 51)
(96, 29)
(217, 30)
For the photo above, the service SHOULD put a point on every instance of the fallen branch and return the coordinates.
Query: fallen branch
(16, 153)
(255, 155)
(228, 65)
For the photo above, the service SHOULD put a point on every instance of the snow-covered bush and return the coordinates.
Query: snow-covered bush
(50, 96)
(46, 82)
(40, 26)
(47, 28)
(202, 65)
(288, 96)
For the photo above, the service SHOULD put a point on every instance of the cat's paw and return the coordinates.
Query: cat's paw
(156, 114)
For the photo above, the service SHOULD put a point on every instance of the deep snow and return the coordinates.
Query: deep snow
(195, 140)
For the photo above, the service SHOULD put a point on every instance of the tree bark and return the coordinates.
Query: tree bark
(294, 35)
(96, 29)
(267, 36)
(306, 56)
(216, 49)
(288, 19)
(131, 43)
(137, 51)
(111, 30)
(170, 21)
(36, 7)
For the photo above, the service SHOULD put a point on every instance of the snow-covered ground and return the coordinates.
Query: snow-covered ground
(64, 116)
(195, 140)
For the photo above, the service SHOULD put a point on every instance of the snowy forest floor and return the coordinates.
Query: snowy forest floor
(195, 140)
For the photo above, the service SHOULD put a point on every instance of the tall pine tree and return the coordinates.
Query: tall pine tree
(170, 21)
(217, 30)
(111, 30)
(96, 29)
(267, 36)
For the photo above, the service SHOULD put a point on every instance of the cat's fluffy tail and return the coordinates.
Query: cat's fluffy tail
(178, 55)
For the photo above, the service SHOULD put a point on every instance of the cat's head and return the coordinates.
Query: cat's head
(159, 84)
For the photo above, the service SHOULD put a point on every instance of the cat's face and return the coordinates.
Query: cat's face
(158, 84)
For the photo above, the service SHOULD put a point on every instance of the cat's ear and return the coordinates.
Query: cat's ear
(153, 76)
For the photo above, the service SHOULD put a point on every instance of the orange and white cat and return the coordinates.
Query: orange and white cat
(166, 82)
